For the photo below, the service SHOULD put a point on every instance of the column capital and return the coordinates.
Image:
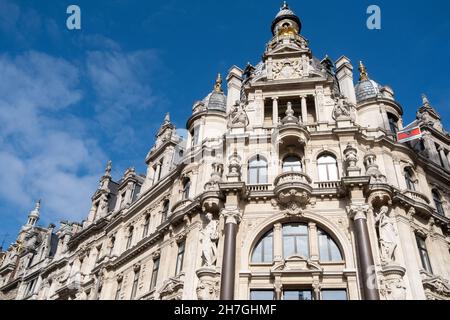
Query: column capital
(358, 211)
(275, 98)
(231, 215)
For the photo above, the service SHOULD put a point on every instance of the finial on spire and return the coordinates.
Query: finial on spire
(425, 100)
(218, 85)
(167, 118)
(364, 76)
(285, 6)
(33, 217)
(108, 169)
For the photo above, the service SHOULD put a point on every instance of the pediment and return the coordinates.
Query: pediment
(287, 49)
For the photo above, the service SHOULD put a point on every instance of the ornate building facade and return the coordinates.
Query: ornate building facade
(293, 186)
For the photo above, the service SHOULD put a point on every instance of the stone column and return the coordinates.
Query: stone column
(275, 111)
(304, 110)
(313, 242)
(444, 158)
(278, 242)
(232, 219)
(366, 263)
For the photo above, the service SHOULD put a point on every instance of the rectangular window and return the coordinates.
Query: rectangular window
(118, 290)
(262, 295)
(295, 241)
(424, 254)
(297, 295)
(154, 274)
(196, 136)
(135, 284)
(336, 295)
(180, 258)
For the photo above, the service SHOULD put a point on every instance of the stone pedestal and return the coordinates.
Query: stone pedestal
(208, 284)
(393, 284)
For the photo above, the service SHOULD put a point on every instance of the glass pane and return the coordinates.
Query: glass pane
(253, 176)
(323, 248)
(334, 295)
(333, 172)
(335, 252)
(323, 174)
(257, 253)
(295, 229)
(298, 295)
(288, 246)
(268, 245)
(263, 176)
(302, 246)
(261, 295)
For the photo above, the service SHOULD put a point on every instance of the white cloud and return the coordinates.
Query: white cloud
(42, 154)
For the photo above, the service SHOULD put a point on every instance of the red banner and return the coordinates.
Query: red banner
(409, 135)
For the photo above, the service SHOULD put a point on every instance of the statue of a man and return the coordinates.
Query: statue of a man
(388, 235)
(209, 241)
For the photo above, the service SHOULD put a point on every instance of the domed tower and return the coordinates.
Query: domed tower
(376, 105)
(286, 22)
(208, 118)
(33, 217)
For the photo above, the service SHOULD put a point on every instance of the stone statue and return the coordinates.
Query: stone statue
(210, 235)
(388, 235)
(341, 109)
(103, 206)
(238, 116)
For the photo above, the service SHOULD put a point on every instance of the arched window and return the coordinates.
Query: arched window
(438, 202)
(327, 168)
(328, 249)
(263, 252)
(393, 123)
(186, 189)
(409, 179)
(146, 226)
(165, 211)
(257, 171)
(130, 237)
(295, 240)
(292, 164)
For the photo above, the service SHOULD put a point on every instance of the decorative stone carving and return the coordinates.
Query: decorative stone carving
(393, 285)
(238, 117)
(291, 68)
(372, 169)
(290, 118)
(210, 236)
(208, 285)
(342, 109)
(351, 160)
(172, 289)
(231, 215)
(234, 167)
(388, 235)
(357, 212)
(351, 156)
(436, 287)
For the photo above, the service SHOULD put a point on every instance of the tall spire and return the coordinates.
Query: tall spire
(363, 75)
(218, 84)
(33, 217)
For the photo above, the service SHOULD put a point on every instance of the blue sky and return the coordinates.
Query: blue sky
(71, 100)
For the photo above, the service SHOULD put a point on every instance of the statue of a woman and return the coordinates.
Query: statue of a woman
(388, 235)
(209, 242)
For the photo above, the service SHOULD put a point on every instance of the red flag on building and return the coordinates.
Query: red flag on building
(409, 135)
